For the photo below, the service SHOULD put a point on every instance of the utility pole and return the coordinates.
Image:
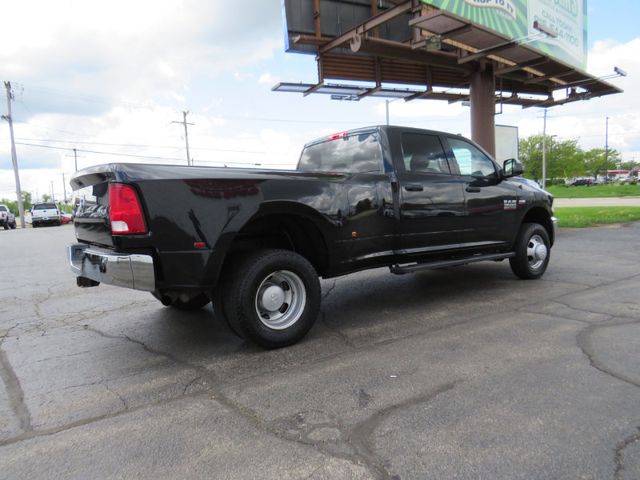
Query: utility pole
(75, 158)
(544, 150)
(64, 188)
(606, 149)
(14, 156)
(186, 133)
(53, 197)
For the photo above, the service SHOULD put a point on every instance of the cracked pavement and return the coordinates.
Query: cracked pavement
(458, 373)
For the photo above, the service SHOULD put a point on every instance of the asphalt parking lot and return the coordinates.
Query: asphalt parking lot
(463, 373)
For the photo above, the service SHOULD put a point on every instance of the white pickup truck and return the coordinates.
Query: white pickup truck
(45, 214)
(7, 219)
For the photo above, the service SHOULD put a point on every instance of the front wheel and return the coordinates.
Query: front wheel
(533, 250)
(13, 226)
(271, 297)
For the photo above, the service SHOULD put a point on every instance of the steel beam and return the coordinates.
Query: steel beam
(487, 51)
(531, 63)
(366, 26)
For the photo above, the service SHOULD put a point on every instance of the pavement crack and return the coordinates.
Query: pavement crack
(619, 454)
(28, 434)
(329, 290)
(14, 392)
(585, 344)
(360, 436)
(116, 394)
(269, 428)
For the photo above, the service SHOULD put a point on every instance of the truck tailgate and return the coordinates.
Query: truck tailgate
(91, 220)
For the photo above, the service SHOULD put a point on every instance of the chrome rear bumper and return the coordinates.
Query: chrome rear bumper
(120, 269)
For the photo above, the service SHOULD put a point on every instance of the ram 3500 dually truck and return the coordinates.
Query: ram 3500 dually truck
(255, 241)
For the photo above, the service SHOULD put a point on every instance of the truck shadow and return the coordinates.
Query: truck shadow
(366, 307)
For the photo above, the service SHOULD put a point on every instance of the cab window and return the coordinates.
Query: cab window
(423, 153)
(471, 160)
(356, 153)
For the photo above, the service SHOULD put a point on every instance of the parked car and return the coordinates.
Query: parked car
(256, 241)
(582, 182)
(7, 219)
(66, 218)
(45, 214)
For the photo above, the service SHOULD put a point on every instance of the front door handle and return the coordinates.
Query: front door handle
(473, 189)
(414, 187)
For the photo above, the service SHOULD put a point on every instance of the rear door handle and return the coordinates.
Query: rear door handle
(414, 187)
(473, 189)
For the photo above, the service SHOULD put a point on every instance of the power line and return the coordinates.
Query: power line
(126, 154)
(134, 145)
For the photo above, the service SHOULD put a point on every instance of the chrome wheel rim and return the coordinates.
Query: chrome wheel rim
(537, 252)
(280, 299)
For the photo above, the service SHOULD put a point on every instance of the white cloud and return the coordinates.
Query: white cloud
(267, 79)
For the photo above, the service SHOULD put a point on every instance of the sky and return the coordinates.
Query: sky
(110, 79)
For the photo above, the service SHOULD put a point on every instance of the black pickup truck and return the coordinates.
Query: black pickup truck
(255, 241)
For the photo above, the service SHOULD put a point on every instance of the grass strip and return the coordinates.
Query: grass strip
(580, 217)
(595, 191)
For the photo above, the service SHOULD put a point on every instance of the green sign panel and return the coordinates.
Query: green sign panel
(514, 19)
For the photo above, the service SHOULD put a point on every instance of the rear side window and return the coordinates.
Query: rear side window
(3, 208)
(45, 206)
(424, 153)
(359, 153)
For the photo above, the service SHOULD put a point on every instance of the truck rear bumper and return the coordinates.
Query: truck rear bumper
(121, 269)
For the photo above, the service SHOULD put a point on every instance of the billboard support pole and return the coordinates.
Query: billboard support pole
(483, 104)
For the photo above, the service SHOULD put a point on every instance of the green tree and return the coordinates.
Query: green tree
(46, 197)
(598, 161)
(564, 158)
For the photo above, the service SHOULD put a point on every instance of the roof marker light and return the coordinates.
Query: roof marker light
(337, 136)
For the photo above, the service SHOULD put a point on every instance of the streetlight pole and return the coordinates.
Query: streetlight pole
(544, 150)
(606, 150)
(387, 109)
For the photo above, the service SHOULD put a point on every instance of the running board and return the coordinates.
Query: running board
(399, 270)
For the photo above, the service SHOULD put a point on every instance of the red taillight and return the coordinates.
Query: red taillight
(125, 212)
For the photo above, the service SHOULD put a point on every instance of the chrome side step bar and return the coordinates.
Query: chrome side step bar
(401, 269)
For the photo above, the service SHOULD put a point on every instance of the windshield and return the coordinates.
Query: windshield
(45, 206)
(3, 208)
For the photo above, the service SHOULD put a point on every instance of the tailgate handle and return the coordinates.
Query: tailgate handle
(414, 187)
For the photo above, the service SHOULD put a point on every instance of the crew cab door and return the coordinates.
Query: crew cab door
(431, 198)
(490, 203)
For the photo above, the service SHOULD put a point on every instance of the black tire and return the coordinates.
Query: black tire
(219, 310)
(13, 226)
(6, 226)
(533, 251)
(196, 303)
(34, 225)
(260, 282)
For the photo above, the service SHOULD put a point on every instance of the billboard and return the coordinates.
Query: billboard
(506, 143)
(514, 19)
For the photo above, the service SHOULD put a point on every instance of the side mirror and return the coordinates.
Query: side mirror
(511, 168)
